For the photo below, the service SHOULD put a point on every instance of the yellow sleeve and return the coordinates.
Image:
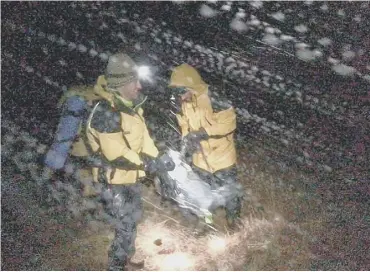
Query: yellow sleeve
(220, 123)
(183, 125)
(149, 147)
(223, 123)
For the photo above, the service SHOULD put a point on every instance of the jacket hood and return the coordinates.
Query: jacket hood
(91, 93)
(187, 76)
(87, 92)
(100, 89)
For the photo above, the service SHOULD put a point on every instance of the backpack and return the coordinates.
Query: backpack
(70, 136)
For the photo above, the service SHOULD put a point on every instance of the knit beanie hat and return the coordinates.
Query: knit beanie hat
(121, 69)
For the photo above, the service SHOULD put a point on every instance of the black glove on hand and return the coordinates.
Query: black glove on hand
(193, 139)
(162, 163)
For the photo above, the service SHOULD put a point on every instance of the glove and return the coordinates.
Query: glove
(169, 187)
(162, 163)
(192, 140)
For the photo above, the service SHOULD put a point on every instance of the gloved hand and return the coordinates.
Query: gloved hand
(192, 140)
(162, 163)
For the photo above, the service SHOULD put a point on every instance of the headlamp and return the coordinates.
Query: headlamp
(144, 73)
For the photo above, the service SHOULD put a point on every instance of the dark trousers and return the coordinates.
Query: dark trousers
(218, 179)
(123, 204)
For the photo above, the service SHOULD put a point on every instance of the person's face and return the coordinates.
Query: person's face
(131, 90)
(186, 97)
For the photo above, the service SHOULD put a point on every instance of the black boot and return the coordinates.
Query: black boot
(116, 264)
(233, 211)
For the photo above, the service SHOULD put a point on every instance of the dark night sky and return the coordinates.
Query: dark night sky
(25, 92)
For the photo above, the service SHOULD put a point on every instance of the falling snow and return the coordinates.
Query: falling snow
(297, 76)
(238, 25)
(207, 11)
(344, 70)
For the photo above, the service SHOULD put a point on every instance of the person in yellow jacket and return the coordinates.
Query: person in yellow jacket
(208, 133)
(120, 150)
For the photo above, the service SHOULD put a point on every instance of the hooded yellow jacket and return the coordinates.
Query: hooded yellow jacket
(117, 132)
(218, 152)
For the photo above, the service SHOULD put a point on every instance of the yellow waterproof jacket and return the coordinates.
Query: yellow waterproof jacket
(218, 152)
(119, 134)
